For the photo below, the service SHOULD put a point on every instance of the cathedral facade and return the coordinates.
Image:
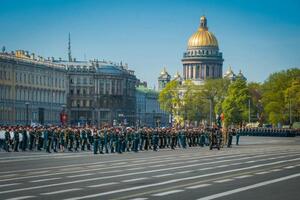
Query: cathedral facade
(202, 59)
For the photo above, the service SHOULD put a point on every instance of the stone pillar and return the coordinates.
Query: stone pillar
(194, 71)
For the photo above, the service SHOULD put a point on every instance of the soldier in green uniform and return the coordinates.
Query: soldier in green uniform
(96, 141)
(7, 140)
(32, 137)
(77, 139)
(71, 138)
(84, 139)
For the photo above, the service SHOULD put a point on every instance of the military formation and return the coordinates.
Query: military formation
(123, 139)
(272, 132)
(100, 141)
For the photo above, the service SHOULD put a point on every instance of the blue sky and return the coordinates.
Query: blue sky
(258, 37)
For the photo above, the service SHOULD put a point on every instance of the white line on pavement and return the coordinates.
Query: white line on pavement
(198, 186)
(135, 179)
(20, 198)
(10, 184)
(102, 185)
(167, 193)
(139, 199)
(222, 194)
(184, 172)
(264, 172)
(289, 167)
(97, 169)
(276, 170)
(46, 179)
(224, 180)
(162, 175)
(79, 175)
(244, 176)
(178, 180)
(61, 191)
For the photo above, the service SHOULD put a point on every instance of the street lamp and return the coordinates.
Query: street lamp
(27, 113)
(78, 113)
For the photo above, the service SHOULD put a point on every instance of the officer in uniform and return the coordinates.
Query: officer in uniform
(16, 139)
(7, 140)
(230, 138)
(96, 141)
(83, 139)
(237, 137)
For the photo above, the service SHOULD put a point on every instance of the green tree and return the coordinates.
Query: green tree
(234, 106)
(255, 92)
(169, 99)
(216, 91)
(276, 96)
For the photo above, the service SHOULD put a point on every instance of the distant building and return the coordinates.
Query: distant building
(32, 89)
(230, 75)
(202, 59)
(163, 79)
(100, 93)
(35, 89)
(148, 112)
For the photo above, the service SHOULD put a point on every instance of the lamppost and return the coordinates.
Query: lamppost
(78, 113)
(249, 116)
(27, 113)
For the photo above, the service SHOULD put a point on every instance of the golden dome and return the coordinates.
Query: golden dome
(203, 38)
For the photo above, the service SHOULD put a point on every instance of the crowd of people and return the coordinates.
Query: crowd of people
(104, 140)
(122, 139)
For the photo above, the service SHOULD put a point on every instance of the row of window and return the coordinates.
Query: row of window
(46, 96)
(202, 71)
(201, 52)
(21, 115)
(81, 103)
(5, 75)
(81, 80)
(38, 79)
(80, 91)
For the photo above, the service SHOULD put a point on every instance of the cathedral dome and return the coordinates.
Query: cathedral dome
(202, 38)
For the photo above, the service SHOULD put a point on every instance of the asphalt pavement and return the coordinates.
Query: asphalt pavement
(259, 168)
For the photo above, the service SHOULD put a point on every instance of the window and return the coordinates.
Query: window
(84, 81)
(72, 91)
(78, 91)
(78, 80)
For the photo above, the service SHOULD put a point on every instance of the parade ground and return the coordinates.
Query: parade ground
(259, 168)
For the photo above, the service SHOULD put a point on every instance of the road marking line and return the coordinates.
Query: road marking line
(222, 194)
(140, 199)
(162, 175)
(220, 166)
(223, 181)
(244, 176)
(133, 159)
(5, 185)
(79, 175)
(184, 172)
(42, 180)
(198, 186)
(61, 191)
(165, 182)
(8, 175)
(39, 172)
(265, 172)
(102, 185)
(19, 198)
(276, 170)
(289, 167)
(135, 179)
(167, 193)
